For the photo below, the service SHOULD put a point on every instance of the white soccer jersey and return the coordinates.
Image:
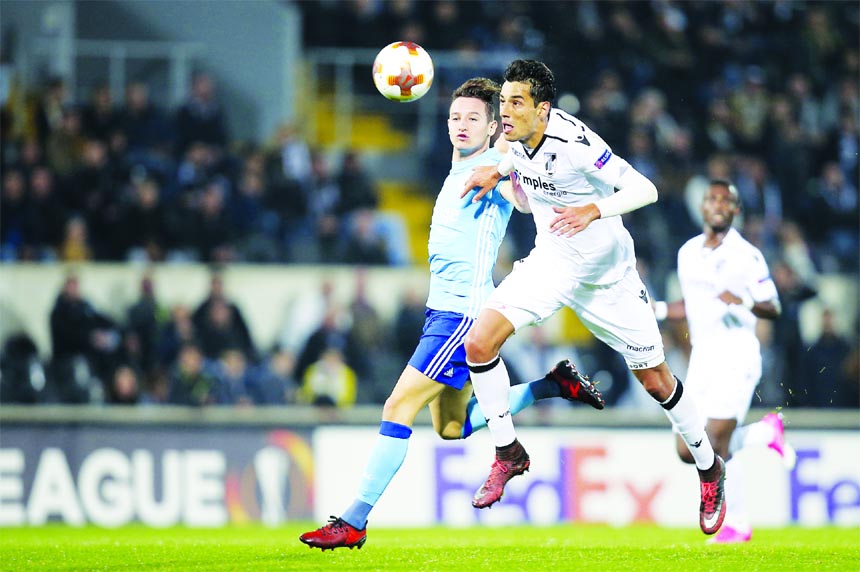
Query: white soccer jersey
(705, 273)
(573, 166)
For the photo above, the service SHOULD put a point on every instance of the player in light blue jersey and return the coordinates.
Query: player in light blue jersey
(464, 242)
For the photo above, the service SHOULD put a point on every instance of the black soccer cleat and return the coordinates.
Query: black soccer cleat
(574, 385)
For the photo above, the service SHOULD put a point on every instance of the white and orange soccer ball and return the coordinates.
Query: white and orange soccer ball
(403, 71)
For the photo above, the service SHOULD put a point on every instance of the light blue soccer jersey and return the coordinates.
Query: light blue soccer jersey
(464, 241)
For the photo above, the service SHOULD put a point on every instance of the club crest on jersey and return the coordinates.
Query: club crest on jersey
(603, 159)
(549, 163)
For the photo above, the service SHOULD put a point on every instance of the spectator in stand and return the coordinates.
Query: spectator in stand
(50, 108)
(176, 333)
(46, 216)
(824, 382)
(305, 314)
(125, 386)
(98, 194)
(64, 146)
(790, 152)
(833, 219)
(844, 142)
(218, 332)
(334, 332)
(199, 164)
(256, 227)
(84, 346)
(147, 129)
(276, 383)
(357, 190)
(364, 244)
(367, 332)
(144, 228)
(142, 323)
(30, 156)
(189, 383)
(235, 379)
(329, 381)
(788, 344)
(323, 198)
(221, 322)
(22, 375)
(201, 118)
(75, 246)
(750, 106)
(293, 154)
(13, 214)
(718, 135)
(99, 118)
(210, 226)
(761, 198)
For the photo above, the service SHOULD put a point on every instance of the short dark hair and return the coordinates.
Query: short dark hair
(537, 75)
(480, 88)
(728, 186)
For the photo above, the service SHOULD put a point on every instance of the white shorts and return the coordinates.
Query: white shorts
(619, 314)
(722, 378)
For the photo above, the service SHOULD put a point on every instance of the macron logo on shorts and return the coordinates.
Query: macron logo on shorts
(603, 159)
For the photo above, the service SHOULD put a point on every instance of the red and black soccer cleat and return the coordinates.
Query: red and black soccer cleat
(574, 385)
(500, 473)
(712, 509)
(337, 533)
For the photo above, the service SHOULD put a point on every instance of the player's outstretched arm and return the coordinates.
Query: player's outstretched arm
(768, 310)
(514, 194)
(484, 179)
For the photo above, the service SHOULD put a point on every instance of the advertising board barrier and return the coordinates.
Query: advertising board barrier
(610, 476)
(156, 476)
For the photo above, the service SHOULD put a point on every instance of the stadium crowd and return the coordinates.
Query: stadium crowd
(96, 181)
(762, 93)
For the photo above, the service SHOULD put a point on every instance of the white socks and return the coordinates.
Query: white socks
(492, 385)
(682, 412)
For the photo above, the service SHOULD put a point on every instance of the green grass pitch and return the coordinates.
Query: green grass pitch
(478, 549)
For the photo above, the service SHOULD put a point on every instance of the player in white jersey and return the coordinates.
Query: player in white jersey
(726, 286)
(583, 258)
(463, 245)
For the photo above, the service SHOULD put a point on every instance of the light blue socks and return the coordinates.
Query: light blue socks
(521, 396)
(385, 460)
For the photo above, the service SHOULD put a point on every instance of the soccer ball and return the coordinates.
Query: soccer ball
(403, 71)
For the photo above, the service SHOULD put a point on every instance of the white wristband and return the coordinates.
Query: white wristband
(661, 310)
(747, 302)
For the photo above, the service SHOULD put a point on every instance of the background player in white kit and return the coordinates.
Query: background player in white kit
(726, 286)
(583, 258)
(464, 243)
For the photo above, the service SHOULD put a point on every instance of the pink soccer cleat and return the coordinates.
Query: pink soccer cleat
(729, 535)
(712, 509)
(500, 473)
(778, 443)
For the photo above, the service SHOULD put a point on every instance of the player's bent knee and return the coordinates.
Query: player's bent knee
(478, 350)
(450, 432)
(399, 410)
